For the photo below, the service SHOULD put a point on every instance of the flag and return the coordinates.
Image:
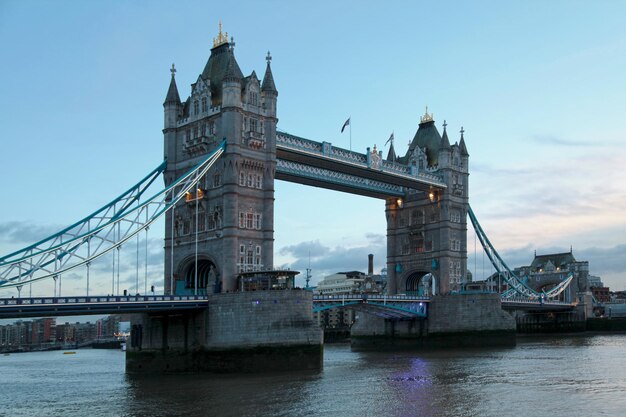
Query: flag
(390, 139)
(347, 123)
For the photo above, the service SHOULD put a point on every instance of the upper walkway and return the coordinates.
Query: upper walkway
(320, 164)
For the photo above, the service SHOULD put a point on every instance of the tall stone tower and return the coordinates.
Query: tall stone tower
(427, 231)
(226, 226)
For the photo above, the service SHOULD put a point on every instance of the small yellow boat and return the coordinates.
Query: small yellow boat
(69, 353)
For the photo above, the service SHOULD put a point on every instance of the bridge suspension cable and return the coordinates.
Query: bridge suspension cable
(517, 286)
(103, 231)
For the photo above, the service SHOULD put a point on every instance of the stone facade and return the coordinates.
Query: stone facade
(254, 331)
(230, 217)
(427, 231)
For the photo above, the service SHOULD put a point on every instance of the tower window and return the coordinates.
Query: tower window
(254, 98)
(204, 105)
(196, 107)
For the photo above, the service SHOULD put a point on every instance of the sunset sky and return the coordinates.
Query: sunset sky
(539, 87)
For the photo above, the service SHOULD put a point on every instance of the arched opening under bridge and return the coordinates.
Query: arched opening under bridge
(420, 283)
(208, 281)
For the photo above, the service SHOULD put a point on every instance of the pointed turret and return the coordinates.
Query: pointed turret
(172, 104)
(268, 88)
(445, 143)
(427, 138)
(231, 83)
(462, 146)
(268, 80)
(172, 92)
(233, 72)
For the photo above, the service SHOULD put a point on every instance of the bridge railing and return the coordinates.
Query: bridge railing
(99, 299)
(372, 297)
(522, 300)
(326, 150)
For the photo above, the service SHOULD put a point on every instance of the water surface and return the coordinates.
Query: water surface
(557, 376)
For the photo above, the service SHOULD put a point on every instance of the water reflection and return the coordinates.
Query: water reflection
(542, 376)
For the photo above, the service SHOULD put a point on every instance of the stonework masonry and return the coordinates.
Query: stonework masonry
(453, 320)
(240, 332)
(250, 319)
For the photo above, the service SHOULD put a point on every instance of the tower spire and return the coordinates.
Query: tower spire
(445, 142)
(268, 79)
(172, 92)
(462, 146)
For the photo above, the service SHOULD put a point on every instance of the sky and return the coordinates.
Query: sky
(539, 88)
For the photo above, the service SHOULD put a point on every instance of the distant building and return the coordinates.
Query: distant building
(601, 294)
(594, 281)
(547, 271)
(107, 327)
(341, 283)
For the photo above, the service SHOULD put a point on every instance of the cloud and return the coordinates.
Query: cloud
(305, 249)
(552, 202)
(25, 233)
(326, 260)
(547, 139)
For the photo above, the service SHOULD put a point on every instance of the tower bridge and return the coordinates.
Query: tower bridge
(222, 154)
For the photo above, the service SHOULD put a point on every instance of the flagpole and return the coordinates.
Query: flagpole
(350, 132)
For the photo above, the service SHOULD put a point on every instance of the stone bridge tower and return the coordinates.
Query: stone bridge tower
(427, 231)
(226, 226)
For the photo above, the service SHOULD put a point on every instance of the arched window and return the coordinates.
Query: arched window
(204, 105)
(196, 107)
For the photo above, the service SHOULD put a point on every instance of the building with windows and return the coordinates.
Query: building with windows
(225, 227)
(427, 230)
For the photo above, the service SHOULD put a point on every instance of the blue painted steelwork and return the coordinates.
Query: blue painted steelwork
(517, 285)
(58, 306)
(396, 307)
(35, 263)
(325, 151)
(132, 195)
(333, 177)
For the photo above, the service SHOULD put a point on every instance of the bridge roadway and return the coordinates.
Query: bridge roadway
(76, 305)
(388, 306)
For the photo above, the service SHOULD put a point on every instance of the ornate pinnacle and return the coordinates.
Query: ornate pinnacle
(173, 70)
(426, 117)
(221, 38)
(268, 58)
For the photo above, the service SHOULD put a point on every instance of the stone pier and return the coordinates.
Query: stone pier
(453, 321)
(239, 332)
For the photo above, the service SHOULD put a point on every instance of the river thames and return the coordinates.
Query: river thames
(555, 376)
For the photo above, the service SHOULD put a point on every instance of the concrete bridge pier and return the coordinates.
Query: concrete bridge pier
(456, 320)
(254, 331)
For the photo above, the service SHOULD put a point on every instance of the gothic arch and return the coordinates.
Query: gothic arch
(209, 280)
(419, 282)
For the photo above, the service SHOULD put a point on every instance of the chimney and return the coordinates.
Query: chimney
(370, 264)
